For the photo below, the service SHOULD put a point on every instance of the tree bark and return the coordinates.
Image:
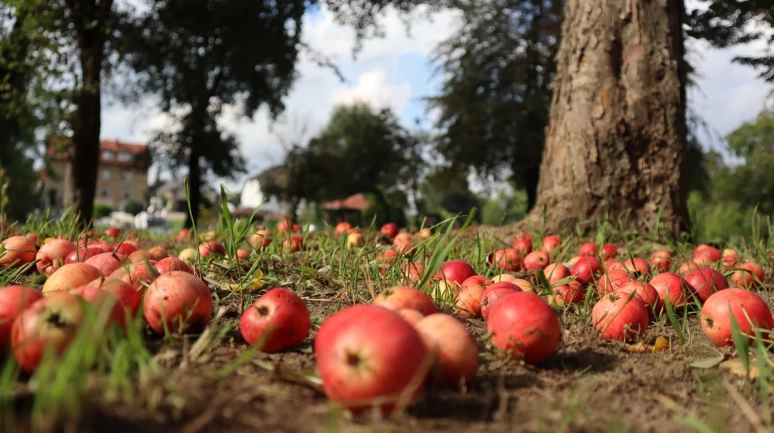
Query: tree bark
(90, 21)
(194, 186)
(617, 134)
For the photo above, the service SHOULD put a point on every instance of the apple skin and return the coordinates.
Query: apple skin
(456, 271)
(278, 321)
(703, 282)
(400, 297)
(123, 300)
(525, 326)
(52, 255)
(209, 248)
(261, 239)
(536, 260)
(343, 227)
(369, 356)
(588, 250)
(608, 252)
(551, 242)
(107, 263)
(50, 322)
(125, 248)
(71, 276)
(177, 297)
(389, 230)
(452, 345)
(13, 301)
(293, 244)
(18, 251)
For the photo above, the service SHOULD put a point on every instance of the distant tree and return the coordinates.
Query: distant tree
(134, 207)
(361, 151)
(506, 207)
(101, 211)
(197, 56)
(498, 71)
(447, 190)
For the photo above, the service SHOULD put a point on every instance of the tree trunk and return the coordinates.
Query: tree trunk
(194, 186)
(616, 135)
(86, 131)
(530, 185)
(383, 203)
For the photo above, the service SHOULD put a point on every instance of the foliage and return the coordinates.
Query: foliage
(102, 211)
(446, 191)
(507, 206)
(498, 70)
(133, 207)
(197, 56)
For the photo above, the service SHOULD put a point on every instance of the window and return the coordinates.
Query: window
(128, 175)
(124, 156)
(106, 154)
(104, 192)
(106, 174)
(126, 193)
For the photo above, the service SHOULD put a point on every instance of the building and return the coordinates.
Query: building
(173, 194)
(122, 175)
(254, 192)
(349, 209)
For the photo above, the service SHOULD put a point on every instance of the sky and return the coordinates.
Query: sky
(395, 71)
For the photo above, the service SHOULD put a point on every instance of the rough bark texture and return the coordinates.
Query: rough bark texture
(90, 21)
(616, 135)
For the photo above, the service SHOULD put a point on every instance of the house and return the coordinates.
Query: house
(255, 192)
(122, 175)
(173, 193)
(349, 209)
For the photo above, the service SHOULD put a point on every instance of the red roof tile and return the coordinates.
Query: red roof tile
(59, 149)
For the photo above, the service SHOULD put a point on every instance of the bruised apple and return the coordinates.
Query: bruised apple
(277, 321)
(369, 357)
(750, 312)
(177, 302)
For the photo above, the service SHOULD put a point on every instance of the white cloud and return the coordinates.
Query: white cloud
(372, 87)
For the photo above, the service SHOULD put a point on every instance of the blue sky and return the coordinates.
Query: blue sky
(395, 71)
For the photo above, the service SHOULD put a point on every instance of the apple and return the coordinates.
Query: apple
(209, 248)
(620, 316)
(286, 226)
(159, 252)
(469, 300)
(139, 275)
(343, 227)
(608, 252)
(369, 356)
(551, 242)
(637, 266)
(17, 252)
(508, 259)
(13, 301)
(170, 264)
(261, 239)
(184, 234)
(355, 240)
(479, 280)
(52, 255)
(703, 282)
(293, 244)
(277, 321)
(107, 263)
(588, 250)
(400, 297)
(412, 272)
(176, 302)
(556, 272)
(613, 280)
(494, 294)
(49, 324)
(645, 292)
(425, 233)
(712, 253)
(749, 276)
(70, 276)
(188, 255)
(508, 278)
(524, 285)
(671, 286)
(661, 261)
(586, 270)
(389, 230)
(523, 244)
(113, 232)
(125, 248)
(572, 293)
(411, 316)
(386, 259)
(455, 350)
(525, 326)
(750, 312)
(455, 271)
(536, 260)
(122, 299)
(141, 256)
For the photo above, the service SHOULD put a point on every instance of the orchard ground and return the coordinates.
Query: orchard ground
(213, 381)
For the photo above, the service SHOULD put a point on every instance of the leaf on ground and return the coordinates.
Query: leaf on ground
(661, 345)
(707, 362)
(736, 367)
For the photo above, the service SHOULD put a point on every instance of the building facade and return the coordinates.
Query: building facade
(122, 175)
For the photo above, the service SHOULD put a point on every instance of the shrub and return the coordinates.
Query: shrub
(102, 211)
(133, 207)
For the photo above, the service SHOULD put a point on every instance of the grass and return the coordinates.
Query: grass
(148, 376)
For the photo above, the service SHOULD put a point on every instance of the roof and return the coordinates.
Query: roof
(59, 149)
(356, 202)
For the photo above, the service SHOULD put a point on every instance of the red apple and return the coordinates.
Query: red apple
(612, 281)
(508, 259)
(661, 261)
(703, 282)
(107, 263)
(48, 324)
(588, 250)
(479, 280)
(556, 272)
(411, 316)
(608, 252)
(469, 300)
(620, 316)
(455, 350)
(751, 313)
(17, 252)
(159, 252)
(261, 239)
(749, 276)
(637, 266)
(525, 326)
(293, 244)
(170, 264)
(369, 356)
(52, 255)
(573, 293)
(389, 230)
(123, 300)
(551, 242)
(70, 276)
(523, 244)
(82, 254)
(496, 293)
(177, 302)
(125, 248)
(645, 292)
(536, 260)
(456, 271)
(13, 301)
(672, 286)
(141, 256)
(586, 270)
(400, 297)
(209, 248)
(277, 321)
(113, 232)
(712, 253)
(343, 227)
(412, 272)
